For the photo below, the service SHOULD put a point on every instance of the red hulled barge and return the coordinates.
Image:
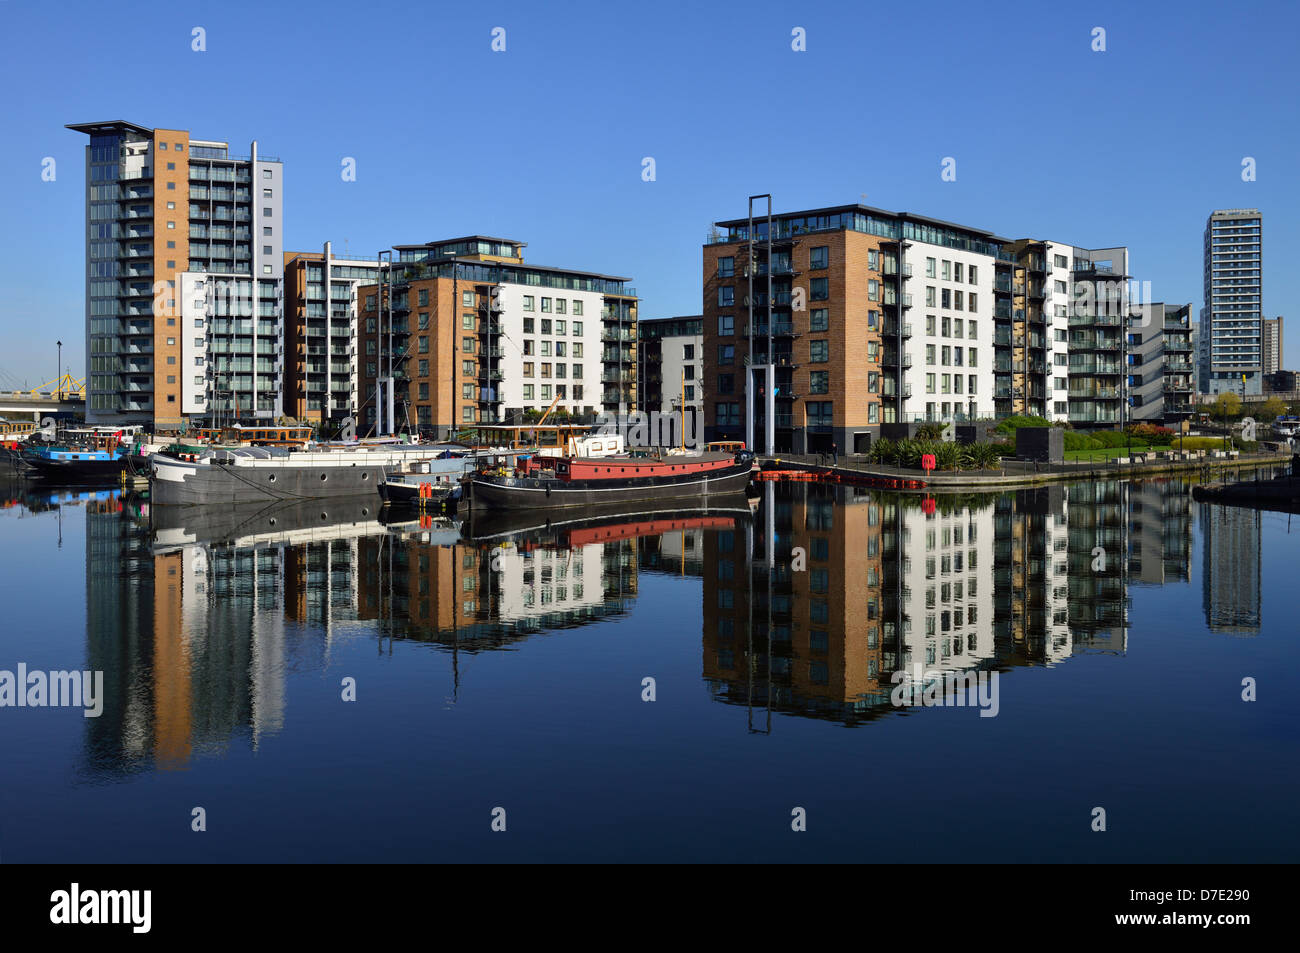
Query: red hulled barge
(554, 482)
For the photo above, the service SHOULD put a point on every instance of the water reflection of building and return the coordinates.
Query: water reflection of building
(780, 637)
(956, 584)
(1230, 553)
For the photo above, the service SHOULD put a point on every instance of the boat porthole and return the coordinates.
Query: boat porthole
(271, 479)
(365, 511)
(324, 515)
(365, 476)
(324, 477)
(272, 520)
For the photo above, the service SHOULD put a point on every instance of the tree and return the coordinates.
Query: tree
(1226, 405)
(1271, 409)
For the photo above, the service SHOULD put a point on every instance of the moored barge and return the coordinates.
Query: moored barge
(561, 482)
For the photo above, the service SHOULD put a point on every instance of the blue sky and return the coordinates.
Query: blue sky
(544, 142)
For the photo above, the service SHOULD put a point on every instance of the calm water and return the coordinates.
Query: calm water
(502, 666)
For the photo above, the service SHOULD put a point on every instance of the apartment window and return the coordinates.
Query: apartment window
(162, 146)
(528, 345)
(1060, 383)
(546, 370)
(266, 250)
(577, 325)
(1060, 261)
(956, 357)
(929, 383)
(528, 326)
(1060, 287)
(422, 321)
(171, 205)
(930, 296)
(423, 368)
(560, 370)
(946, 271)
(172, 360)
(266, 269)
(546, 349)
(946, 298)
(198, 322)
(929, 325)
(957, 327)
(819, 352)
(819, 320)
(198, 342)
(929, 267)
(873, 289)
(198, 361)
(467, 299)
(528, 368)
(559, 349)
(467, 368)
(171, 166)
(945, 384)
(267, 231)
(726, 383)
(726, 353)
(726, 324)
(559, 327)
(424, 345)
(577, 349)
(873, 382)
(546, 306)
(970, 299)
(528, 303)
(467, 345)
(546, 326)
(947, 356)
(266, 173)
(819, 257)
(528, 392)
(467, 413)
(546, 392)
(171, 378)
(947, 326)
(171, 244)
(957, 300)
(956, 271)
(467, 322)
(171, 186)
(726, 296)
(198, 380)
(266, 212)
(171, 263)
(688, 352)
(561, 307)
(726, 267)
(577, 372)
(819, 382)
(970, 359)
(929, 354)
(970, 273)
(728, 414)
(873, 260)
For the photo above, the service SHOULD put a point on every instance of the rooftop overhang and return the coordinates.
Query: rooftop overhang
(109, 126)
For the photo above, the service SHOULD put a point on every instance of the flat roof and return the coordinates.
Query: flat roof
(867, 209)
(465, 238)
(679, 317)
(110, 125)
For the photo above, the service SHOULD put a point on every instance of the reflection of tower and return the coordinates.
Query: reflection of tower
(1160, 532)
(1030, 600)
(1098, 542)
(793, 611)
(943, 579)
(1230, 568)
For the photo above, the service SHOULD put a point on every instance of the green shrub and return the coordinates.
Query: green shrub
(1012, 424)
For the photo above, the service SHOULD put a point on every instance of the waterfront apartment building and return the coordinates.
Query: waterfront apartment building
(1271, 349)
(1231, 346)
(825, 326)
(322, 383)
(471, 334)
(671, 371)
(184, 275)
(1159, 363)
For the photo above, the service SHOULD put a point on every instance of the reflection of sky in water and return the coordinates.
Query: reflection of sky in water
(509, 671)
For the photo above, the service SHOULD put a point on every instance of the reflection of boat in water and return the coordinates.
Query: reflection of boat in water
(426, 529)
(609, 523)
(254, 524)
